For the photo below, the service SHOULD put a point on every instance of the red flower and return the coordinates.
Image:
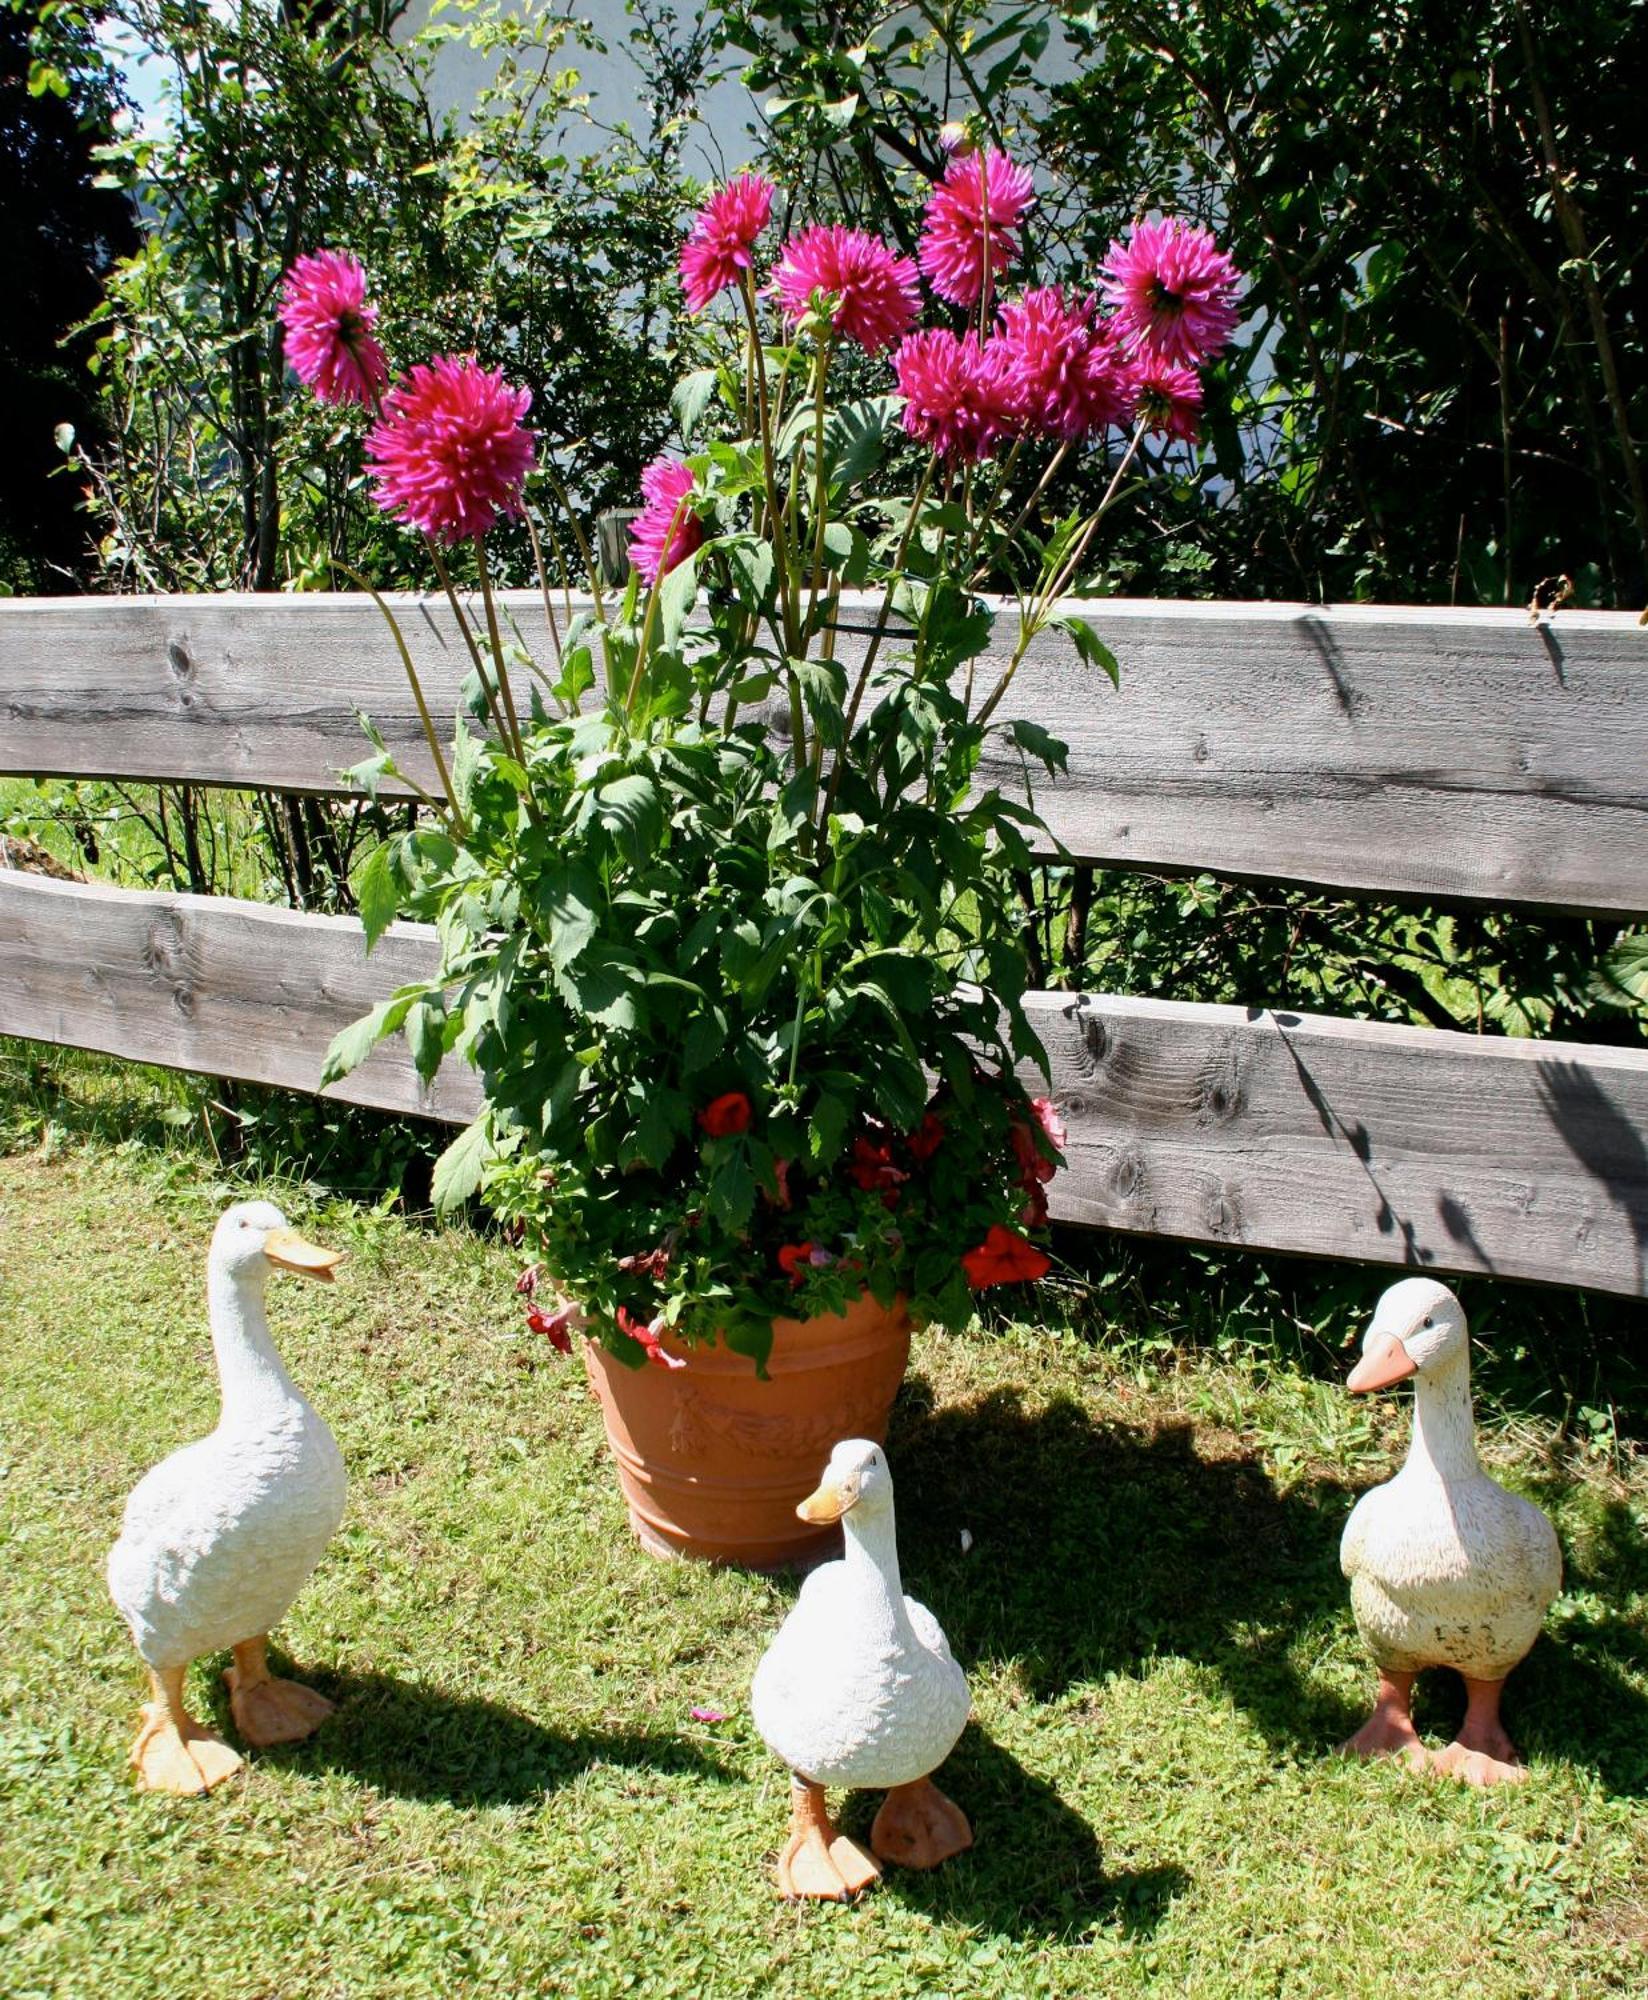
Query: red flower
(1174, 291)
(556, 1327)
(872, 1165)
(450, 451)
(527, 1283)
(1065, 364)
(726, 1115)
(328, 324)
(795, 1259)
(972, 224)
(666, 531)
(877, 294)
(647, 1263)
(959, 397)
(1168, 398)
(718, 250)
(1004, 1258)
(648, 1338)
(1047, 1117)
(926, 1139)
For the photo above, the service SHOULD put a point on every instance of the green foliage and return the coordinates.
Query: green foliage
(505, 233)
(1482, 970)
(1438, 394)
(59, 234)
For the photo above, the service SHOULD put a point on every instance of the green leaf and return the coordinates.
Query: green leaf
(376, 892)
(847, 550)
(604, 986)
(752, 566)
(1091, 647)
(855, 439)
(458, 1170)
(352, 1045)
(1622, 978)
(905, 975)
(665, 1116)
(568, 900)
(732, 1187)
(466, 765)
(426, 1034)
(629, 808)
(676, 596)
(577, 674)
(691, 398)
(827, 1128)
(1037, 742)
(706, 1038)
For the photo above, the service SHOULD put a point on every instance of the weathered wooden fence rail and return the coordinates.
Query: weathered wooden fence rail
(1450, 754)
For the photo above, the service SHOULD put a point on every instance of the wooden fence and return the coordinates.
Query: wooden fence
(1442, 754)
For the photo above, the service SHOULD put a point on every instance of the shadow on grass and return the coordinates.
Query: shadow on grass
(420, 1743)
(1097, 1546)
(1035, 1869)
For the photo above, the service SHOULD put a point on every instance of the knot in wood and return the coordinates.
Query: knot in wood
(1093, 1035)
(1127, 1177)
(1223, 1214)
(1220, 1095)
(179, 660)
(166, 958)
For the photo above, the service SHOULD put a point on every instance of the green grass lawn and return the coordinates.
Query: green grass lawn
(513, 1796)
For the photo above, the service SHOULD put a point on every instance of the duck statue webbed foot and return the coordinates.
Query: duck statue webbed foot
(819, 1863)
(1482, 1753)
(1389, 1730)
(268, 1710)
(918, 1827)
(171, 1751)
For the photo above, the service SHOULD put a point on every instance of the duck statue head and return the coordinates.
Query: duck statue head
(253, 1239)
(1418, 1329)
(856, 1481)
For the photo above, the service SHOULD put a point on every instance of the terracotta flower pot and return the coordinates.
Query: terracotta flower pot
(713, 1461)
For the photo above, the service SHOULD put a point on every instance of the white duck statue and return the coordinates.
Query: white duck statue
(859, 1689)
(1446, 1568)
(219, 1538)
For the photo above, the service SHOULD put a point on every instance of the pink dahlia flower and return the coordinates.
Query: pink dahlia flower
(723, 237)
(972, 220)
(877, 292)
(666, 531)
(328, 327)
(1169, 399)
(960, 397)
(1174, 291)
(1070, 376)
(450, 452)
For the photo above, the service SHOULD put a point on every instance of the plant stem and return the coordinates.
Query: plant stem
(515, 740)
(774, 513)
(1059, 580)
(445, 576)
(862, 683)
(543, 583)
(820, 498)
(417, 695)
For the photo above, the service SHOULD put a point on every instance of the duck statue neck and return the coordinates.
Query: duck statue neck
(1444, 1427)
(252, 1378)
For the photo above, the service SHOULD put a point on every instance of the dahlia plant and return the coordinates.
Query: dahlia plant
(725, 913)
